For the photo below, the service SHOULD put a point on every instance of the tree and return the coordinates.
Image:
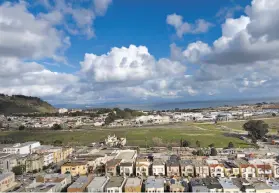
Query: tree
(256, 128)
(212, 145)
(273, 114)
(198, 143)
(56, 127)
(213, 152)
(254, 139)
(21, 127)
(231, 145)
(200, 153)
(19, 170)
(57, 142)
(185, 143)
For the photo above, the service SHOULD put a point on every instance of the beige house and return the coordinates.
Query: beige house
(7, 181)
(34, 162)
(173, 168)
(216, 170)
(158, 167)
(142, 167)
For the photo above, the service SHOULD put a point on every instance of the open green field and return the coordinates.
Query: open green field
(135, 136)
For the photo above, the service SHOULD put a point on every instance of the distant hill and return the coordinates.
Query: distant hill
(23, 104)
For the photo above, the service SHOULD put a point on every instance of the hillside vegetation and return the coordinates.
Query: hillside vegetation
(23, 104)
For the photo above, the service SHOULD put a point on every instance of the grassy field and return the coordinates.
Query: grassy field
(135, 136)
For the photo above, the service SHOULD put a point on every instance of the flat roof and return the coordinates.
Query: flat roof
(113, 162)
(260, 186)
(115, 181)
(80, 182)
(227, 183)
(74, 164)
(126, 154)
(98, 182)
(153, 182)
(133, 182)
(158, 161)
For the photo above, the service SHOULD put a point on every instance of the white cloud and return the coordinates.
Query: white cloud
(200, 26)
(128, 64)
(25, 36)
(101, 6)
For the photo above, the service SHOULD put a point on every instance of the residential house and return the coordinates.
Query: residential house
(63, 179)
(228, 186)
(173, 168)
(142, 167)
(243, 185)
(48, 158)
(112, 167)
(115, 185)
(43, 187)
(98, 184)
(133, 185)
(74, 168)
(217, 170)
(264, 171)
(187, 168)
(34, 162)
(7, 181)
(158, 167)
(126, 168)
(212, 184)
(153, 184)
(80, 185)
(201, 169)
(178, 186)
(261, 187)
(247, 171)
(231, 169)
(197, 185)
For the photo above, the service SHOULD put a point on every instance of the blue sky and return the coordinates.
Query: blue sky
(110, 51)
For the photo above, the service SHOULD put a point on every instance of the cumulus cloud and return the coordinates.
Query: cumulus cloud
(25, 36)
(101, 6)
(128, 64)
(247, 39)
(200, 25)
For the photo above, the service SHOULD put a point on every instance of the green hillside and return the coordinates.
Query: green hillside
(23, 104)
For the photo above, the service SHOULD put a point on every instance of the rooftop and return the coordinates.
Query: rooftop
(115, 181)
(73, 164)
(126, 154)
(174, 163)
(127, 164)
(157, 162)
(227, 184)
(153, 182)
(212, 183)
(80, 182)
(260, 185)
(113, 162)
(132, 182)
(98, 182)
(185, 162)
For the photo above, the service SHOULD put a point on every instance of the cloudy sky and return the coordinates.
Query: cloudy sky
(112, 51)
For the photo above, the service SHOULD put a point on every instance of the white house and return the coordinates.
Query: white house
(48, 158)
(158, 167)
(153, 184)
(22, 148)
(62, 110)
(247, 171)
(217, 170)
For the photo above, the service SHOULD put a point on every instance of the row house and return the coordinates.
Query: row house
(187, 168)
(216, 170)
(264, 171)
(126, 168)
(231, 169)
(112, 167)
(142, 167)
(158, 167)
(173, 168)
(75, 168)
(247, 171)
(201, 169)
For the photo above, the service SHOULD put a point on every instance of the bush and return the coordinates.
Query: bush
(21, 127)
(19, 170)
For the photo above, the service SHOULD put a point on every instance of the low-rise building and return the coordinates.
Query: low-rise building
(228, 186)
(217, 170)
(231, 169)
(243, 185)
(98, 184)
(197, 185)
(34, 162)
(153, 184)
(74, 168)
(115, 184)
(48, 158)
(63, 179)
(7, 181)
(158, 167)
(21, 148)
(142, 167)
(173, 168)
(43, 187)
(7, 162)
(264, 171)
(201, 169)
(247, 171)
(126, 168)
(80, 184)
(261, 187)
(212, 184)
(112, 167)
(133, 185)
(187, 168)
